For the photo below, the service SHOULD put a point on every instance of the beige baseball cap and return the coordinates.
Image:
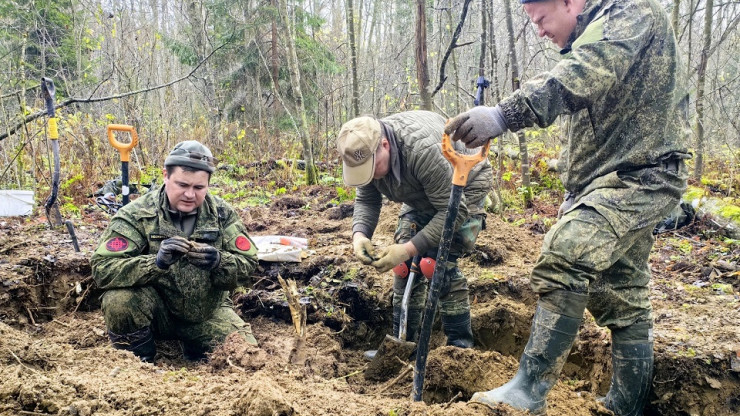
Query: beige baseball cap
(357, 142)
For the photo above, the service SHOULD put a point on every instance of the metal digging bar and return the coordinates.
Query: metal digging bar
(51, 206)
(462, 165)
(394, 351)
(52, 209)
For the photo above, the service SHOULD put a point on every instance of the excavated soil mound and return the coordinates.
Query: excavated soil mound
(55, 357)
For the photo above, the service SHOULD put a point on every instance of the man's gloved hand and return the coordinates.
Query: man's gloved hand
(477, 125)
(170, 250)
(390, 257)
(567, 203)
(204, 256)
(363, 247)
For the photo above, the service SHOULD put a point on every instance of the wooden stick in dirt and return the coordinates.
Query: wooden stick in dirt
(297, 311)
(407, 369)
(298, 315)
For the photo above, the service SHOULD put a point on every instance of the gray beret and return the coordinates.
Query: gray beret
(193, 154)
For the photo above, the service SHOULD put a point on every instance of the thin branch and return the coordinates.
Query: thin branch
(407, 368)
(726, 32)
(10, 94)
(453, 44)
(88, 100)
(21, 362)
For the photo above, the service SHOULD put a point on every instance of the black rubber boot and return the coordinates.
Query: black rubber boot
(193, 353)
(632, 375)
(550, 341)
(140, 342)
(413, 324)
(458, 330)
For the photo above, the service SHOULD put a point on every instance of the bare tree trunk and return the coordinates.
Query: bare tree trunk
(699, 166)
(674, 17)
(515, 83)
(496, 87)
(482, 57)
(295, 82)
(274, 54)
(195, 14)
(422, 66)
(353, 57)
(690, 31)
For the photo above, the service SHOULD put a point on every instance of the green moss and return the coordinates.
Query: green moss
(693, 193)
(730, 211)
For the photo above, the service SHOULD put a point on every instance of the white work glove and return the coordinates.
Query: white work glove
(363, 247)
(391, 257)
(477, 126)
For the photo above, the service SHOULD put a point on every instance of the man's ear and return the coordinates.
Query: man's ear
(164, 173)
(578, 4)
(385, 143)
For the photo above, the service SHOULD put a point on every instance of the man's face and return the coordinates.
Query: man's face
(382, 159)
(555, 19)
(186, 190)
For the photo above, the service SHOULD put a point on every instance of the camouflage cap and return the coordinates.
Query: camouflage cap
(192, 154)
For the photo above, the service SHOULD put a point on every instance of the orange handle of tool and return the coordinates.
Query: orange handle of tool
(123, 148)
(462, 164)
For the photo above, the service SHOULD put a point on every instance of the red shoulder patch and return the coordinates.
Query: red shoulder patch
(116, 244)
(242, 243)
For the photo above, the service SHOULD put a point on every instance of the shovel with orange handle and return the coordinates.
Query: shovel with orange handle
(462, 165)
(125, 150)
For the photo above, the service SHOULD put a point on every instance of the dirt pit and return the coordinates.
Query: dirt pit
(55, 357)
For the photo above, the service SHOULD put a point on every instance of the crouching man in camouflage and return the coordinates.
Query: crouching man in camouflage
(169, 259)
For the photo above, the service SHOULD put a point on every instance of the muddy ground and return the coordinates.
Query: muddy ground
(56, 359)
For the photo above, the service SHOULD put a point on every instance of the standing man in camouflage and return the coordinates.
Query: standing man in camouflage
(400, 157)
(620, 82)
(169, 259)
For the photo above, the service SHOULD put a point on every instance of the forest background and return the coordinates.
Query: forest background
(272, 81)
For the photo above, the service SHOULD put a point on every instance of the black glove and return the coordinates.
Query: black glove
(171, 250)
(204, 256)
(477, 125)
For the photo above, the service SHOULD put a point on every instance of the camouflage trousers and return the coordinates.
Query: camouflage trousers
(602, 243)
(128, 310)
(453, 298)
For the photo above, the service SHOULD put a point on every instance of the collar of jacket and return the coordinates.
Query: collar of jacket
(207, 219)
(389, 134)
(587, 16)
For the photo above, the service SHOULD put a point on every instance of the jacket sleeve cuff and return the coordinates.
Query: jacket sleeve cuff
(512, 115)
(422, 243)
(362, 228)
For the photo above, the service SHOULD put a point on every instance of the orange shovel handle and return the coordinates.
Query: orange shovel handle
(123, 148)
(462, 164)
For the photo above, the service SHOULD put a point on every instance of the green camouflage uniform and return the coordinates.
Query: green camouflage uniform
(421, 178)
(621, 81)
(183, 302)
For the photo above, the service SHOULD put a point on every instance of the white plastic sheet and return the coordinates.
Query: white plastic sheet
(280, 248)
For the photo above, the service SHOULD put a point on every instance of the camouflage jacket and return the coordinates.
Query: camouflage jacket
(126, 255)
(622, 83)
(422, 179)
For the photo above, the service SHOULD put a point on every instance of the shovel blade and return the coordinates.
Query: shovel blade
(389, 359)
